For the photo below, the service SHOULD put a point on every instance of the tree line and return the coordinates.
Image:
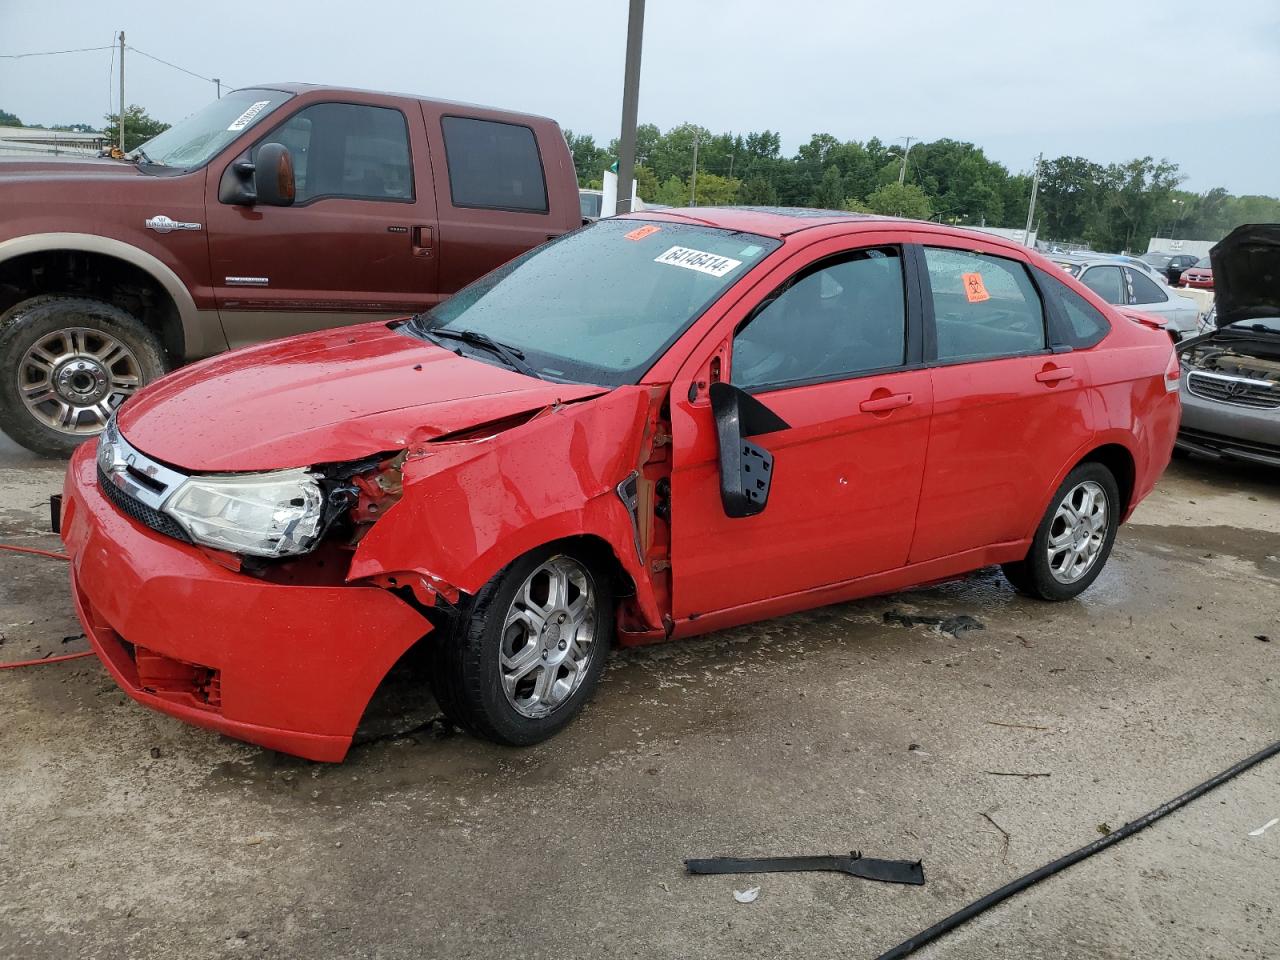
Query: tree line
(1115, 206)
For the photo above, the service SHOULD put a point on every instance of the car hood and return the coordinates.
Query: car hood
(331, 396)
(1246, 273)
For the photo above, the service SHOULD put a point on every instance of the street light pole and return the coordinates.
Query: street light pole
(121, 144)
(630, 107)
(693, 179)
(1031, 209)
(902, 169)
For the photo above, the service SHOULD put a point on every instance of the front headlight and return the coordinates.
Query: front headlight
(266, 515)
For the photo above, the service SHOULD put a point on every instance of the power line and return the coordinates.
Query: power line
(190, 73)
(49, 53)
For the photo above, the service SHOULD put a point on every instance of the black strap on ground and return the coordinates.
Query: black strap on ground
(854, 864)
(912, 944)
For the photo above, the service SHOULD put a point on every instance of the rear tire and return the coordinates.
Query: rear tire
(1074, 539)
(67, 363)
(525, 654)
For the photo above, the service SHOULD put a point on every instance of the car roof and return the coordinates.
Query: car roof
(780, 222)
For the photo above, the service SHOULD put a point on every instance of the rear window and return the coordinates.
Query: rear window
(494, 166)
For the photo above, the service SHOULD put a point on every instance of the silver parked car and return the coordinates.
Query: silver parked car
(1231, 375)
(1125, 285)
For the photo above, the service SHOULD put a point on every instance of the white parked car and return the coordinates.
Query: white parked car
(1127, 286)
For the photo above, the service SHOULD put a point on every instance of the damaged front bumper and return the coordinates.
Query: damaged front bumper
(289, 667)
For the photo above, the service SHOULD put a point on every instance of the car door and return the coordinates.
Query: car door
(1008, 410)
(827, 342)
(357, 244)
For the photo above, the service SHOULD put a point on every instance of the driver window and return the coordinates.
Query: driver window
(839, 319)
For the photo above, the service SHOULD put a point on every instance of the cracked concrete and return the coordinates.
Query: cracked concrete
(128, 834)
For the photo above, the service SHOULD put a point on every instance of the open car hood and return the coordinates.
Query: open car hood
(1246, 273)
(325, 397)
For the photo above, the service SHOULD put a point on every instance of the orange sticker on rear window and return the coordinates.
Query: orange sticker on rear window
(641, 232)
(974, 288)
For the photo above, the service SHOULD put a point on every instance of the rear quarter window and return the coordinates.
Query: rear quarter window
(493, 165)
(1076, 322)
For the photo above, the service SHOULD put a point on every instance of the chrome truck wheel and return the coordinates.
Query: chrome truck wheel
(72, 379)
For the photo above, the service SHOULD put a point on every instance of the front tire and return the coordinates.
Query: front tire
(1074, 539)
(68, 362)
(525, 655)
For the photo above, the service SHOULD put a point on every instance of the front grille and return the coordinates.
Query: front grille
(135, 509)
(1245, 393)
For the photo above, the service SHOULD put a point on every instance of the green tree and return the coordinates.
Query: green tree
(716, 191)
(758, 192)
(139, 127)
(900, 200)
(8, 119)
(589, 160)
(830, 192)
(674, 192)
(646, 183)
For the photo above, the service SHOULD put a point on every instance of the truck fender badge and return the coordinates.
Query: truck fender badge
(162, 224)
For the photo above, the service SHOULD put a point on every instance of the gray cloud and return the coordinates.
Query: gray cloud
(1192, 82)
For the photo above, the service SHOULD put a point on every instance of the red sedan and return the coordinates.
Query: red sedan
(1200, 276)
(645, 430)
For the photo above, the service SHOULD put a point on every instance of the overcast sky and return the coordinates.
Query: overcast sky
(1198, 83)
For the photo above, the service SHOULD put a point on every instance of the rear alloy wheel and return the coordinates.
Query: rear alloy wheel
(526, 655)
(1074, 538)
(68, 363)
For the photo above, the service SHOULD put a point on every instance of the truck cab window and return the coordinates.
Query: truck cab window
(347, 150)
(493, 165)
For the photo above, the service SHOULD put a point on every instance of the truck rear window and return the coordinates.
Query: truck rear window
(493, 165)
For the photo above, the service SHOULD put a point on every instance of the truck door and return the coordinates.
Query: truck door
(494, 189)
(359, 242)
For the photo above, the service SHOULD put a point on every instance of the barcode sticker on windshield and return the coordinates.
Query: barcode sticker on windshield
(699, 260)
(246, 118)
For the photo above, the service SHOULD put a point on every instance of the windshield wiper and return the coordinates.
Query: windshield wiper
(140, 156)
(513, 357)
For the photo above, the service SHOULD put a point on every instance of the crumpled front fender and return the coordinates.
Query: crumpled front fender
(470, 507)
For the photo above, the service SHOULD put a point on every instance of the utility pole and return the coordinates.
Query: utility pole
(218, 84)
(693, 180)
(630, 107)
(121, 144)
(902, 170)
(1031, 210)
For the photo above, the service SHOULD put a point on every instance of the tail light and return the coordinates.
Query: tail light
(1172, 373)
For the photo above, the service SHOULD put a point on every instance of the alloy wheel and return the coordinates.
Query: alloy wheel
(1077, 532)
(548, 637)
(72, 379)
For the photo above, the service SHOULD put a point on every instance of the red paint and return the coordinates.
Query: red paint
(881, 482)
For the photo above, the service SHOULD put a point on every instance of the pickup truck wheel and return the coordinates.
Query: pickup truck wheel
(1074, 540)
(68, 362)
(526, 656)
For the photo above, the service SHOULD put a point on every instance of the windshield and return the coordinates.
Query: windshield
(601, 304)
(194, 141)
(1204, 263)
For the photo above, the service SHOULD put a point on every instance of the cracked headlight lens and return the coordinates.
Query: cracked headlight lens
(267, 515)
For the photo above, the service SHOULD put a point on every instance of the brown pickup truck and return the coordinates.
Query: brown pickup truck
(275, 210)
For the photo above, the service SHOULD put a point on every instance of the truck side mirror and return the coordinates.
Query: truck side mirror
(746, 469)
(269, 181)
(274, 175)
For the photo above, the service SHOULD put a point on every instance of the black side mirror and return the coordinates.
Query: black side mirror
(269, 181)
(746, 470)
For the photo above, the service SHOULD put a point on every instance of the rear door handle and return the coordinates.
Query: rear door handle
(881, 404)
(422, 241)
(1054, 374)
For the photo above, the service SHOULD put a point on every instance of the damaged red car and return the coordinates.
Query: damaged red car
(644, 430)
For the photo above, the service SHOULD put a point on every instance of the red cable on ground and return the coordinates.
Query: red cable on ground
(36, 663)
(59, 659)
(34, 552)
